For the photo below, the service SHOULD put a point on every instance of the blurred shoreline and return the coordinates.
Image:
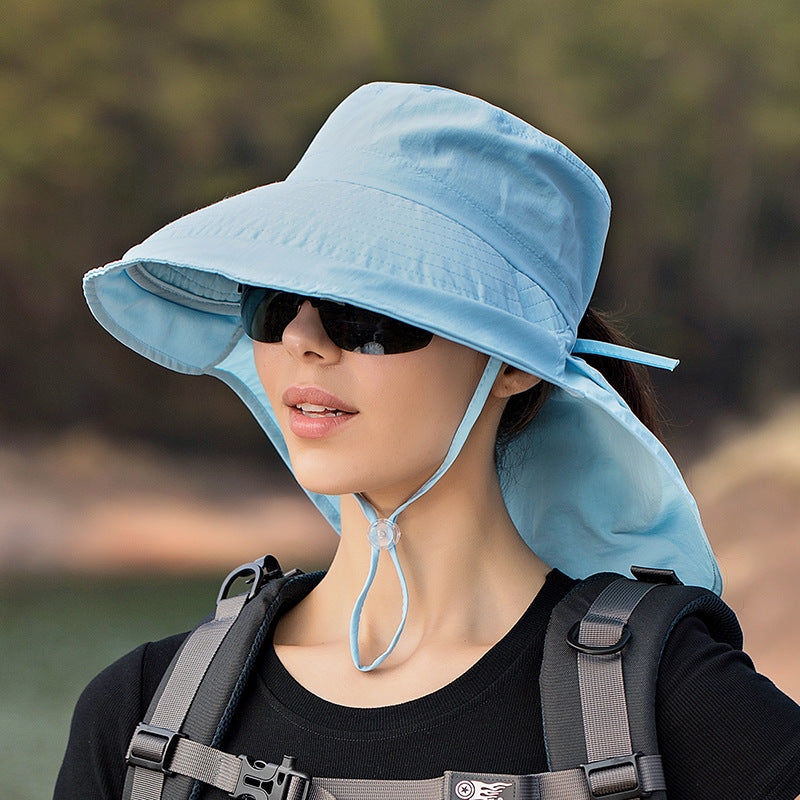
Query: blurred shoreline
(82, 504)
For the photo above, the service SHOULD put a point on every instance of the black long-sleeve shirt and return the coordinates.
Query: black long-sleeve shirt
(725, 732)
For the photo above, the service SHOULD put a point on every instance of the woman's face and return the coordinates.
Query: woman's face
(353, 422)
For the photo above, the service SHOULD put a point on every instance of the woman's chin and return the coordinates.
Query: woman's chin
(323, 484)
(379, 499)
(382, 488)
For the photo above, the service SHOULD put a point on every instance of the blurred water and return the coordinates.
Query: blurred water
(55, 635)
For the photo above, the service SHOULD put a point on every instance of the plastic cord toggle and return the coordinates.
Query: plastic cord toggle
(383, 533)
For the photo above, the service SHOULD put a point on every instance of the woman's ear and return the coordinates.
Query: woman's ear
(511, 380)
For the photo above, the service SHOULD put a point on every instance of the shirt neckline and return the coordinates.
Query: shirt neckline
(290, 698)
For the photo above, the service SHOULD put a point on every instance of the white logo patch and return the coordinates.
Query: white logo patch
(478, 789)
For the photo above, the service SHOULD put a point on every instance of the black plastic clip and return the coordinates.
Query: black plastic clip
(259, 780)
(595, 650)
(153, 753)
(264, 568)
(653, 575)
(635, 789)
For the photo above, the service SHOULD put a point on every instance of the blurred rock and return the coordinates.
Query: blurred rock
(748, 491)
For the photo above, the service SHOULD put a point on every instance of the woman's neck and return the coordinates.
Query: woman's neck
(469, 574)
(470, 578)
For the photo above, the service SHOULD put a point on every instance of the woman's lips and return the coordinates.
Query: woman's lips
(314, 413)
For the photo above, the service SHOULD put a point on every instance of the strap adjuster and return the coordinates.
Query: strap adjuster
(595, 650)
(635, 788)
(262, 781)
(152, 747)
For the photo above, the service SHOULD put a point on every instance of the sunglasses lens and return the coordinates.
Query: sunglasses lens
(267, 312)
(357, 329)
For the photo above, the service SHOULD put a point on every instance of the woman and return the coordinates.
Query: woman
(411, 296)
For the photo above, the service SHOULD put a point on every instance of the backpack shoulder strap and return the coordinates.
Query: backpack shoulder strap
(598, 679)
(200, 689)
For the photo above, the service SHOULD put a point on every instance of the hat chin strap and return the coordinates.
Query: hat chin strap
(384, 533)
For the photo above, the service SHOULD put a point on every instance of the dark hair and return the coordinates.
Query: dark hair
(630, 380)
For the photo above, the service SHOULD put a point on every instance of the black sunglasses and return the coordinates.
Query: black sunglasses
(267, 312)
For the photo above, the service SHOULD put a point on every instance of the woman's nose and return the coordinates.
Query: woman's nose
(305, 337)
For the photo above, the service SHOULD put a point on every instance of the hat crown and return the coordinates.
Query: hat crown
(522, 192)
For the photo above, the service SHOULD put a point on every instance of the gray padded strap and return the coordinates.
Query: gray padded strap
(193, 663)
(190, 666)
(346, 789)
(602, 689)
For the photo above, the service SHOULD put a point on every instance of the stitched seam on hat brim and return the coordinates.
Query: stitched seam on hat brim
(442, 287)
(465, 198)
(447, 287)
(171, 362)
(461, 224)
(510, 282)
(457, 222)
(512, 285)
(180, 272)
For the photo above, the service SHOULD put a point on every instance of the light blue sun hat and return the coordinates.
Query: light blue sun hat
(446, 212)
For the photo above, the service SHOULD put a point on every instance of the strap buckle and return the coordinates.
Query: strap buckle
(634, 790)
(259, 780)
(152, 747)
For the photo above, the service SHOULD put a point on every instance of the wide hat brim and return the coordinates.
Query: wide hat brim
(587, 485)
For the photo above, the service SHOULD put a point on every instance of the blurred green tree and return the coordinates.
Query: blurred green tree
(117, 116)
